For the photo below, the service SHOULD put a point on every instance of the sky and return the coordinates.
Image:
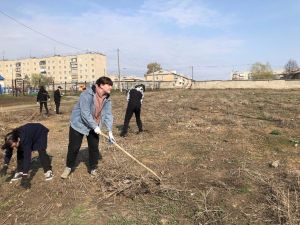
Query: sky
(212, 38)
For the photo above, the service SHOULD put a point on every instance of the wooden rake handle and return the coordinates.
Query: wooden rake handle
(132, 157)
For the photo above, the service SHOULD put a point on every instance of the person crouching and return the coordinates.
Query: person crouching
(27, 138)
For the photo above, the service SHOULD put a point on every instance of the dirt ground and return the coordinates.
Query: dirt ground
(213, 149)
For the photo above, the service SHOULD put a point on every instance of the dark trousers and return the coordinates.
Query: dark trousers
(45, 105)
(75, 140)
(43, 156)
(129, 112)
(57, 104)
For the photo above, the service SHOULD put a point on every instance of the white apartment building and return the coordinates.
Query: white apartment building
(71, 69)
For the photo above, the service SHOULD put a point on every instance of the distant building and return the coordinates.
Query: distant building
(236, 75)
(115, 78)
(246, 75)
(292, 75)
(71, 69)
(164, 75)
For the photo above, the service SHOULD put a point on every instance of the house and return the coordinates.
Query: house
(164, 75)
(292, 75)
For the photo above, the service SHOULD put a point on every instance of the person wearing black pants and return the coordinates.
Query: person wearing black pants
(42, 98)
(75, 140)
(135, 98)
(27, 138)
(91, 111)
(57, 98)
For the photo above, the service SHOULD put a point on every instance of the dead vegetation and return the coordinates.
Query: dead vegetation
(212, 148)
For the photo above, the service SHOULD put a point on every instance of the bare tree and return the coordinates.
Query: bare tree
(290, 67)
(153, 67)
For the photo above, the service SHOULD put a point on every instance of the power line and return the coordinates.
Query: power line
(40, 33)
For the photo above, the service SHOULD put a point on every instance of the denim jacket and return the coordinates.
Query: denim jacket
(82, 119)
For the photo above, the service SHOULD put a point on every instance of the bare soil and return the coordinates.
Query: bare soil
(213, 150)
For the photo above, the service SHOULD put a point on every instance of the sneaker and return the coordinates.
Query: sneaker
(49, 175)
(17, 176)
(66, 173)
(94, 173)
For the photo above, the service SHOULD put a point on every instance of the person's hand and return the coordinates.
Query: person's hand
(48, 99)
(97, 130)
(111, 138)
(3, 170)
(25, 175)
(37, 103)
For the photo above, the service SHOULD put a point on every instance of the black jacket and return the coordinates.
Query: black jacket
(42, 96)
(57, 96)
(33, 136)
(135, 97)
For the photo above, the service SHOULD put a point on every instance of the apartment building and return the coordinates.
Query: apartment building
(71, 69)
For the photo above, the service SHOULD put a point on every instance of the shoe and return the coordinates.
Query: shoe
(140, 131)
(17, 176)
(49, 175)
(94, 173)
(66, 173)
(123, 134)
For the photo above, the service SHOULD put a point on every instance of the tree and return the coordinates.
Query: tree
(40, 80)
(261, 71)
(153, 67)
(290, 67)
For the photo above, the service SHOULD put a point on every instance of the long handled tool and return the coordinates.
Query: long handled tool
(123, 150)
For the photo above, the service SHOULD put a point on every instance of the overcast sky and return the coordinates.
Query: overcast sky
(215, 37)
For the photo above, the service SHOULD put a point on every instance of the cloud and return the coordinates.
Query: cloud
(185, 13)
(138, 37)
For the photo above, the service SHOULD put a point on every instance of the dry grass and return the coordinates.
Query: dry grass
(212, 149)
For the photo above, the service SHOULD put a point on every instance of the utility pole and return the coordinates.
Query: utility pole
(192, 73)
(119, 73)
(152, 77)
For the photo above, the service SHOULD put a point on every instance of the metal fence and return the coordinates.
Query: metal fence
(22, 87)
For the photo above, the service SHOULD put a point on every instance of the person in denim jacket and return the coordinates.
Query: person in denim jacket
(91, 111)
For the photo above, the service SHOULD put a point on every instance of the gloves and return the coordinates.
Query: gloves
(97, 130)
(3, 171)
(111, 139)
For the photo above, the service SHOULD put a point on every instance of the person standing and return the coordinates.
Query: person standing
(42, 98)
(91, 111)
(57, 98)
(135, 98)
(27, 138)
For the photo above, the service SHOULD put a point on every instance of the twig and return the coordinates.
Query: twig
(113, 193)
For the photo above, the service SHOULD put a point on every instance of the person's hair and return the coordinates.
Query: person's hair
(10, 138)
(104, 80)
(42, 89)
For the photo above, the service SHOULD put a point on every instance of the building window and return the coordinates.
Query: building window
(93, 70)
(92, 59)
(65, 78)
(53, 67)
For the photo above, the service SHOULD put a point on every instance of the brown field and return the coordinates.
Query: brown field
(213, 150)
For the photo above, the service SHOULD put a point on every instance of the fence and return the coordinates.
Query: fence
(24, 88)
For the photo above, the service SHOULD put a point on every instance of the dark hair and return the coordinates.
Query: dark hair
(10, 138)
(42, 89)
(104, 80)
